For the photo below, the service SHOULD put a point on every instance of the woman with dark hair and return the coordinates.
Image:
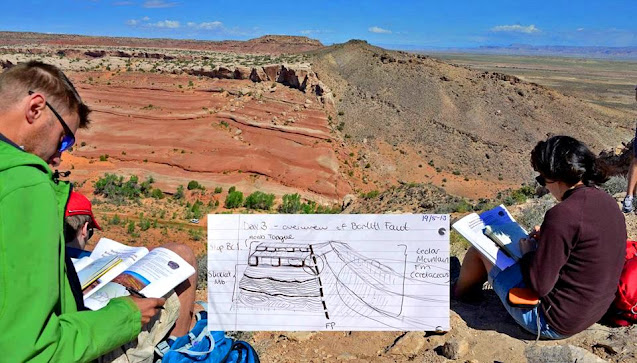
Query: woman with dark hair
(573, 262)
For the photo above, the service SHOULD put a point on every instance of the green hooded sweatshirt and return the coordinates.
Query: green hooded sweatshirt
(39, 321)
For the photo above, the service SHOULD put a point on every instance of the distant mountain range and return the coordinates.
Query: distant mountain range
(619, 53)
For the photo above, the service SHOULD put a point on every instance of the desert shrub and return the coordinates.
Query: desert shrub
(157, 194)
(179, 194)
(462, 207)
(193, 184)
(115, 220)
(518, 196)
(195, 234)
(370, 195)
(291, 204)
(131, 227)
(144, 224)
(457, 243)
(196, 210)
(259, 200)
(454, 206)
(104, 157)
(116, 191)
(616, 184)
(202, 271)
(484, 204)
(324, 209)
(533, 213)
(234, 199)
(218, 190)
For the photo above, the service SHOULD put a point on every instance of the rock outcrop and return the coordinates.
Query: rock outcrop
(301, 78)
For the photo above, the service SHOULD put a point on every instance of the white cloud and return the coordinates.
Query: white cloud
(123, 3)
(516, 29)
(315, 31)
(210, 25)
(206, 25)
(156, 4)
(145, 18)
(580, 29)
(379, 30)
(170, 24)
(132, 22)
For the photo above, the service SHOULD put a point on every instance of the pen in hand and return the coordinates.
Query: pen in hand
(135, 292)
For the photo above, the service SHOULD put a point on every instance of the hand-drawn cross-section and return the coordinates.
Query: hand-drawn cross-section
(319, 272)
(324, 276)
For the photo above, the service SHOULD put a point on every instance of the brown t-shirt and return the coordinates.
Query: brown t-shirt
(579, 259)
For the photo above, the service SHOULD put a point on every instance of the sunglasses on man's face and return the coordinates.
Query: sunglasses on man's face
(69, 138)
(90, 233)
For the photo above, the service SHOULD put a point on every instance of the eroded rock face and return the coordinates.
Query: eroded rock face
(301, 78)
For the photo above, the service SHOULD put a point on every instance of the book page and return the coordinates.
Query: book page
(155, 274)
(107, 247)
(80, 263)
(328, 272)
(97, 269)
(472, 226)
(508, 236)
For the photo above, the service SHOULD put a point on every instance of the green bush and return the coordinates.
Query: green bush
(234, 199)
(116, 191)
(131, 227)
(195, 234)
(115, 220)
(193, 184)
(291, 204)
(370, 195)
(259, 200)
(462, 207)
(533, 213)
(218, 190)
(157, 194)
(195, 210)
(179, 194)
(202, 271)
(517, 196)
(144, 224)
(104, 157)
(616, 184)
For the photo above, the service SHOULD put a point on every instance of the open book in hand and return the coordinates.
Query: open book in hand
(113, 267)
(495, 234)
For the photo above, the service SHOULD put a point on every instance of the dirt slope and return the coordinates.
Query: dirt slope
(477, 124)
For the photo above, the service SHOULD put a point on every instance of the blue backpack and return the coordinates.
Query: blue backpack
(201, 345)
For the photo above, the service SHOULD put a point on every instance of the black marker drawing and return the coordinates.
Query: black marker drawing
(331, 279)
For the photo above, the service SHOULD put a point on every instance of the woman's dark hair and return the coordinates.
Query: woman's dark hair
(563, 158)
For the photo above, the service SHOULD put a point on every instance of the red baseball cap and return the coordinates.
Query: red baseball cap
(77, 205)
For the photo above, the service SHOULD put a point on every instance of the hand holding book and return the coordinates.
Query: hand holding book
(527, 245)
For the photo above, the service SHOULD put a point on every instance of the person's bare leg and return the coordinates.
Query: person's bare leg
(473, 273)
(632, 177)
(627, 204)
(185, 291)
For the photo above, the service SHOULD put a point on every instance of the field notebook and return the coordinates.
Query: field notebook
(495, 234)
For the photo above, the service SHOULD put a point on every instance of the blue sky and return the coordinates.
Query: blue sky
(456, 23)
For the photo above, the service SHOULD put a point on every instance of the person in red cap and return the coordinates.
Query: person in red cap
(79, 221)
(174, 321)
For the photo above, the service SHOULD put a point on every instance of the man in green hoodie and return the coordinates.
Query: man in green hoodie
(40, 111)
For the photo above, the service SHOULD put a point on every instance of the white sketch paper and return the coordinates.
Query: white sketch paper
(328, 272)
